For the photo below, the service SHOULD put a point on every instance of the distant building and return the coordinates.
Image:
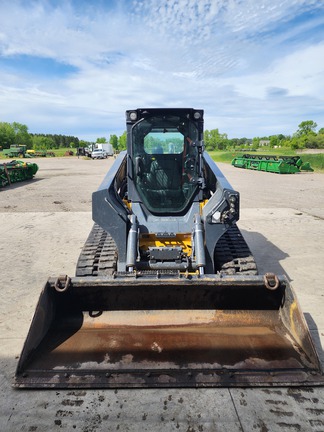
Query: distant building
(264, 143)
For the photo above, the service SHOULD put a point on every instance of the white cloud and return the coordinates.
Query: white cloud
(247, 65)
(299, 74)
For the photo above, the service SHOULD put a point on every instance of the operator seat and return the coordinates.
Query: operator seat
(163, 182)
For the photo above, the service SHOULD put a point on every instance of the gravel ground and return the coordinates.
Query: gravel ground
(43, 226)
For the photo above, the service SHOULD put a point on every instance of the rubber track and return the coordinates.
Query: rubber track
(99, 254)
(233, 255)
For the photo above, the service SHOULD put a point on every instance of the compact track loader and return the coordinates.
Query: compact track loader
(166, 292)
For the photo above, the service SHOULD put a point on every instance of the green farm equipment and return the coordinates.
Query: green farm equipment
(15, 151)
(271, 163)
(39, 153)
(16, 171)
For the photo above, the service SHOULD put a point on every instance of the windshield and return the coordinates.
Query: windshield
(163, 142)
(165, 162)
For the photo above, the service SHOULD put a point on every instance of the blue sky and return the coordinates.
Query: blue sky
(73, 67)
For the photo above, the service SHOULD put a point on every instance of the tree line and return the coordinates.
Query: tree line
(306, 136)
(17, 134)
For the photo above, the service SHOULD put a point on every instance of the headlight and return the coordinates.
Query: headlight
(226, 211)
(216, 217)
(133, 115)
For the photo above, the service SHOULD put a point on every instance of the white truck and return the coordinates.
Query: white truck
(98, 154)
(106, 147)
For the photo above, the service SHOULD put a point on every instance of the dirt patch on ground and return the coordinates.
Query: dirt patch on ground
(61, 184)
(311, 151)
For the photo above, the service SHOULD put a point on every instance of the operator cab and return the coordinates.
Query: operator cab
(165, 159)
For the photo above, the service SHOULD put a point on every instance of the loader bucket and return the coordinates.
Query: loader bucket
(168, 331)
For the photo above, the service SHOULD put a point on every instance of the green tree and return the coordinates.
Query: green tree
(297, 142)
(42, 142)
(83, 143)
(101, 140)
(113, 140)
(7, 135)
(214, 140)
(59, 140)
(306, 127)
(274, 141)
(314, 141)
(255, 143)
(21, 135)
(122, 141)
